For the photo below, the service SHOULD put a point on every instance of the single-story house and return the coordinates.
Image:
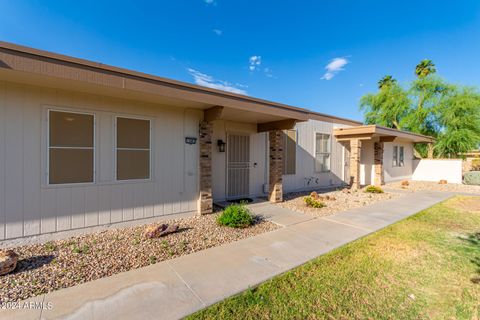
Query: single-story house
(83, 144)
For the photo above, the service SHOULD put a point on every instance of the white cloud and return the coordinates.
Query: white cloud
(205, 80)
(334, 67)
(254, 62)
(268, 72)
(218, 32)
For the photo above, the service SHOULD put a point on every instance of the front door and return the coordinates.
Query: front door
(238, 166)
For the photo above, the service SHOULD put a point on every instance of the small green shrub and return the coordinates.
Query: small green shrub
(82, 249)
(472, 178)
(50, 246)
(373, 189)
(311, 202)
(235, 216)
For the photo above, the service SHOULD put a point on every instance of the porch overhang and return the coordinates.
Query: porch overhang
(354, 137)
(379, 134)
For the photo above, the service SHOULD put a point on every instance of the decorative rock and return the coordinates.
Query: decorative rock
(159, 231)
(345, 190)
(405, 183)
(8, 261)
(170, 229)
(442, 182)
(154, 231)
(314, 195)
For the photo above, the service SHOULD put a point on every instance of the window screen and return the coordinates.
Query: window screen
(70, 147)
(133, 149)
(401, 161)
(290, 155)
(322, 152)
(395, 156)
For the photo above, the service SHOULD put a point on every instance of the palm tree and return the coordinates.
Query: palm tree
(424, 68)
(386, 81)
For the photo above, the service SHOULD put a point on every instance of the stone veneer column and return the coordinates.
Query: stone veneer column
(355, 152)
(205, 204)
(378, 163)
(276, 140)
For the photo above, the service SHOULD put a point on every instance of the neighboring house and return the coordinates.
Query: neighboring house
(83, 144)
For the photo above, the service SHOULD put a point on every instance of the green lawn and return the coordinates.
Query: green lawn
(425, 267)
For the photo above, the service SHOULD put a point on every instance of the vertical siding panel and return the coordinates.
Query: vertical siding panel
(127, 201)
(138, 201)
(3, 151)
(48, 211)
(64, 208)
(148, 195)
(192, 162)
(91, 206)
(32, 132)
(116, 203)
(169, 157)
(159, 171)
(104, 205)
(14, 162)
(78, 207)
(178, 172)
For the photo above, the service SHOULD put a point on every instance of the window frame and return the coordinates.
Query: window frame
(329, 152)
(401, 156)
(115, 149)
(48, 147)
(394, 156)
(286, 152)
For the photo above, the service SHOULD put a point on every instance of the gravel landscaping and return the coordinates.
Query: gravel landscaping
(414, 186)
(334, 200)
(64, 263)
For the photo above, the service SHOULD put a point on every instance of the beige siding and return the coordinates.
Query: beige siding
(398, 173)
(28, 206)
(306, 177)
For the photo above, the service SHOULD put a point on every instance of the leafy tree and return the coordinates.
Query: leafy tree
(388, 107)
(387, 80)
(459, 121)
(425, 68)
(430, 106)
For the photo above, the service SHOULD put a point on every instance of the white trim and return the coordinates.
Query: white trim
(48, 147)
(315, 152)
(115, 149)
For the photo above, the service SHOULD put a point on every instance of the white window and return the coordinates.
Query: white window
(395, 156)
(398, 156)
(322, 152)
(132, 149)
(70, 147)
(401, 161)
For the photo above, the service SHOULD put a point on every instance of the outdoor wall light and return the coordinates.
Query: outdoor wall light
(221, 145)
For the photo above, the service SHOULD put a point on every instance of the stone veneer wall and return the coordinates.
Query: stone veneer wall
(378, 163)
(276, 140)
(355, 152)
(205, 200)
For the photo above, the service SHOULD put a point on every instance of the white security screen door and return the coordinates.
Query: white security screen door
(238, 166)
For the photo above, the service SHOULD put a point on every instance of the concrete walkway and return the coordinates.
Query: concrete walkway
(181, 286)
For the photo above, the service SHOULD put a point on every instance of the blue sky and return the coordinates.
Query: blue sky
(321, 55)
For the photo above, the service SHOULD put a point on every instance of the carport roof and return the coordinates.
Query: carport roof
(370, 131)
